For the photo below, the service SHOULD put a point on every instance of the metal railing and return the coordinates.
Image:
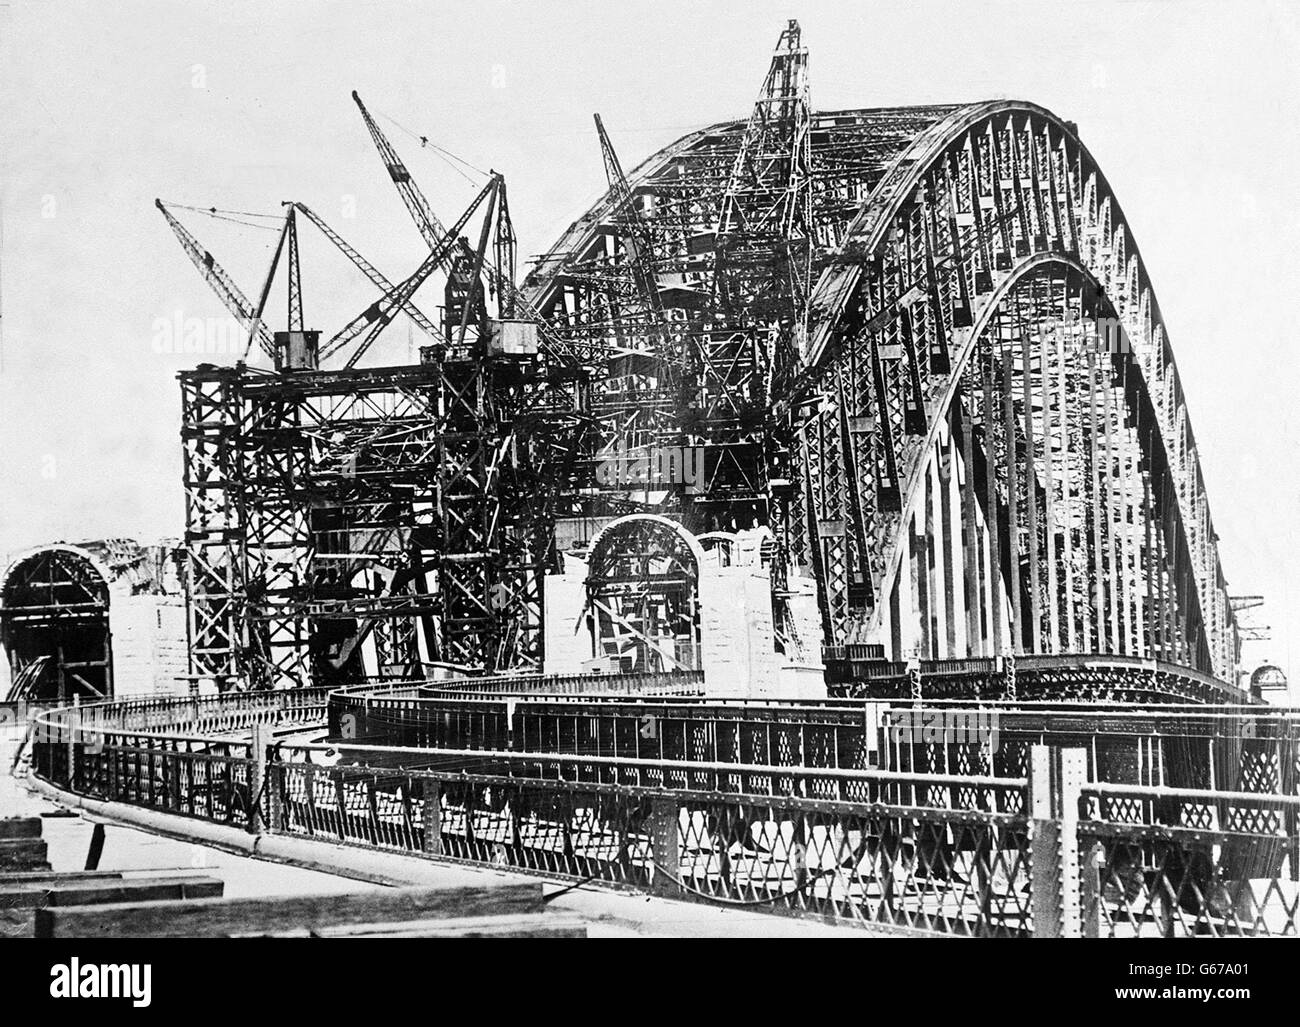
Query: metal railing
(1180, 862)
(645, 683)
(1247, 748)
(1050, 852)
(914, 851)
(882, 862)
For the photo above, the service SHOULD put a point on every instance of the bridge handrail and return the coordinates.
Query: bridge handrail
(687, 766)
(736, 831)
(164, 717)
(1201, 795)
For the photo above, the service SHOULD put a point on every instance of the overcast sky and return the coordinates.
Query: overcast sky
(1192, 109)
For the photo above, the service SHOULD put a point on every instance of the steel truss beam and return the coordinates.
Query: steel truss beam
(974, 474)
(327, 507)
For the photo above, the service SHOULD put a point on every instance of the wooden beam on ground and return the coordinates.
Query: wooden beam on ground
(20, 827)
(527, 925)
(19, 901)
(88, 893)
(57, 876)
(200, 918)
(24, 854)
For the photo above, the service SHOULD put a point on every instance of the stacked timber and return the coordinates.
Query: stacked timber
(21, 846)
(37, 902)
(23, 895)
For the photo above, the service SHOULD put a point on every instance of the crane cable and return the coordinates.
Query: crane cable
(439, 151)
(232, 216)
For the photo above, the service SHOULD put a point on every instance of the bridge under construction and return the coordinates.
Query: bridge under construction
(803, 390)
(817, 526)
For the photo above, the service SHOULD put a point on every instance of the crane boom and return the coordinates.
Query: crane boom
(376, 317)
(285, 233)
(421, 213)
(638, 241)
(511, 298)
(376, 276)
(221, 283)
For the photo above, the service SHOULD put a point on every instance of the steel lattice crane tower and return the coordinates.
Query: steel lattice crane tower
(705, 306)
(398, 510)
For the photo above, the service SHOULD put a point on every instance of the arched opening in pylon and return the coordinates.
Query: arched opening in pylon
(643, 595)
(54, 626)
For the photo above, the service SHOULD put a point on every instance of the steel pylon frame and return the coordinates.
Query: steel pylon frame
(325, 507)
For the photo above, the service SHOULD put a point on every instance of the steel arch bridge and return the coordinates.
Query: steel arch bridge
(921, 345)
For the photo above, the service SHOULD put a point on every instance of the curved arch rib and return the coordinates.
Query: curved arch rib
(923, 267)
(939, 227)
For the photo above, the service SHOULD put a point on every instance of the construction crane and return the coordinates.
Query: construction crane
(222, 284)
(651, 364)
(445, 491)
(368, 269)
(511, 301)
(638, 242)
(395, 297)
(378, 315)
(294, 348)
(765, 218)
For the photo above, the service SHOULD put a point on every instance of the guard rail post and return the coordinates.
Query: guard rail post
(258, 778)
(275, 789)
(70, 718)
(1092, 891)
(665, 845)
(431, 816)
(1056, 778)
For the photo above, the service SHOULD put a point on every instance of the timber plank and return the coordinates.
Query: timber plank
(20, 827)
(197, 918)
(19, 903)
(24, 854)
(155, 889)
(56, 876)
(535, 925)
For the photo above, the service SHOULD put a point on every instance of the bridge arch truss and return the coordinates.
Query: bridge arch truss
(988, 443)
(989, 345)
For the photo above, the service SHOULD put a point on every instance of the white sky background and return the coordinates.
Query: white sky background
(1192, 110)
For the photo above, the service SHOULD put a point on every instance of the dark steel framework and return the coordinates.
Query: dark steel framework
(917, 344)
(982, 449)
(405, 507)
(329, 507)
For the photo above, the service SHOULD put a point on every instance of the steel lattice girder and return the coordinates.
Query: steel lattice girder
(964, 255)
(213, 527)
(296, 484)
